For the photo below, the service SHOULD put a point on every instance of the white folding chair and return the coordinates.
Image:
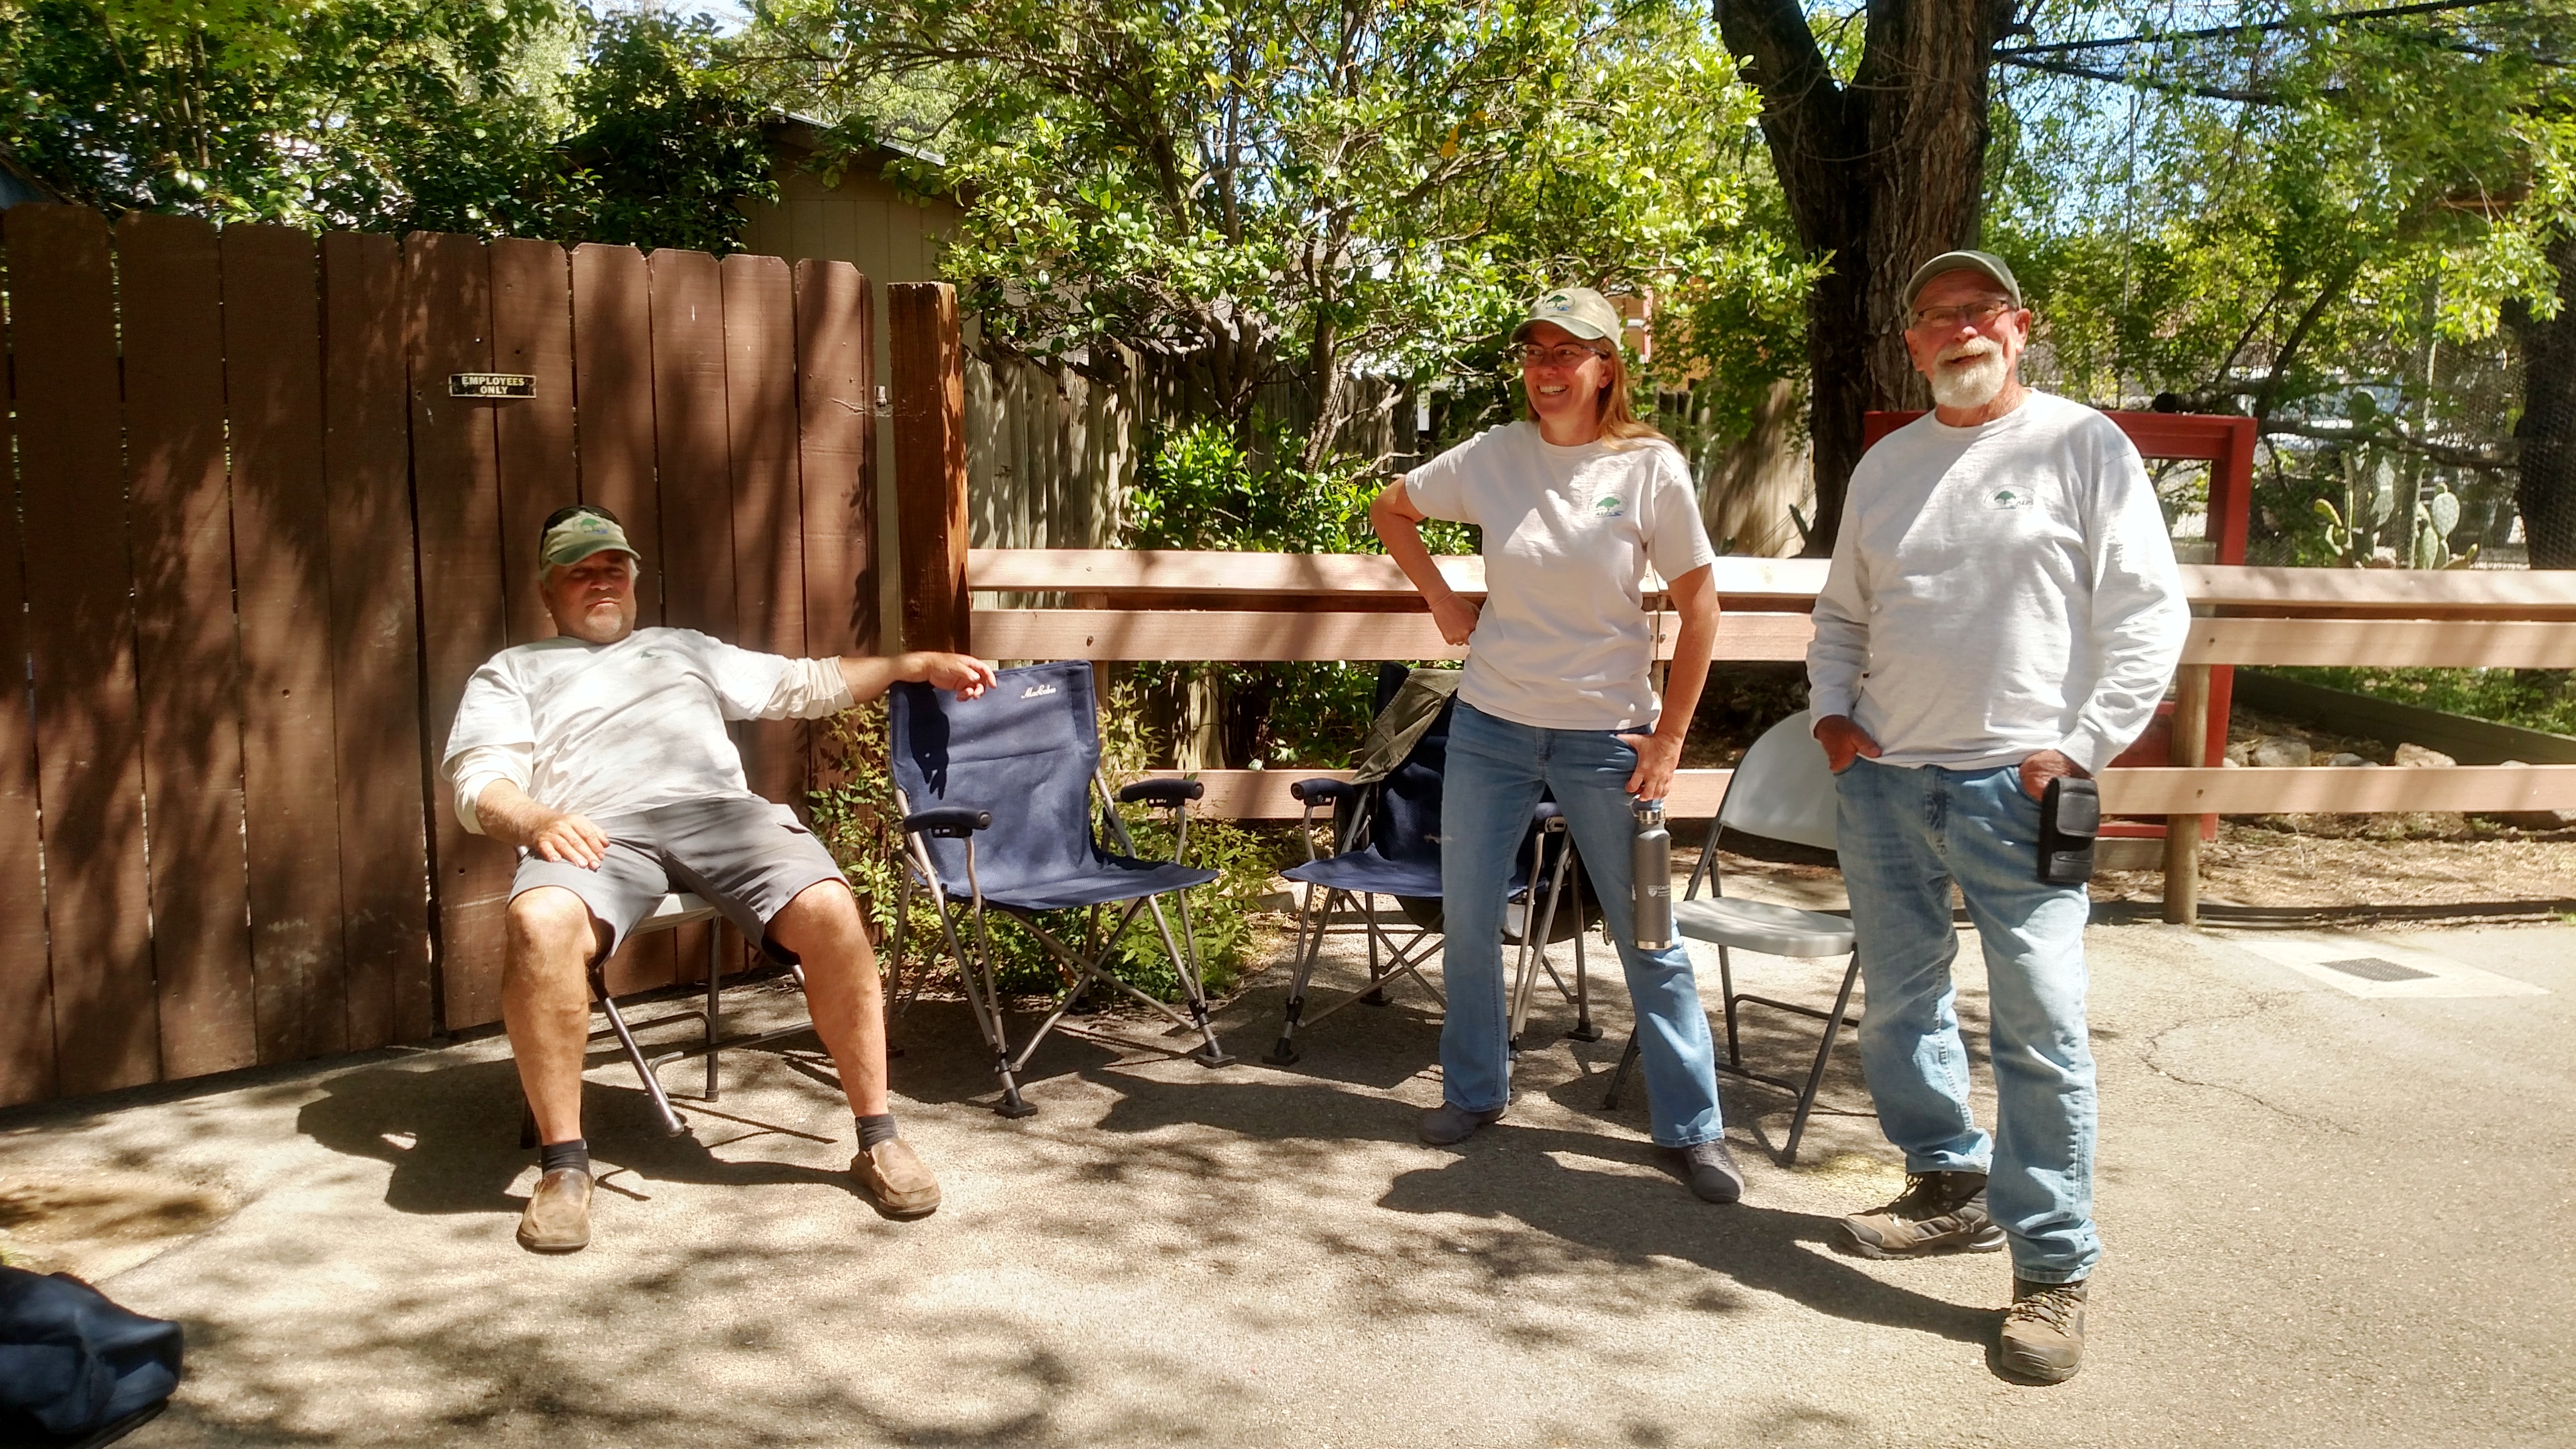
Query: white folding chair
(1781, 790)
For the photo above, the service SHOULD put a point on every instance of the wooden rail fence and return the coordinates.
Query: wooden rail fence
(263, 547)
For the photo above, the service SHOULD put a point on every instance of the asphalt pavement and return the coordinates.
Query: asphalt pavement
(2334, 1199)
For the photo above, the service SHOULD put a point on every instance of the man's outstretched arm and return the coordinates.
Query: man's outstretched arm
(871, 675)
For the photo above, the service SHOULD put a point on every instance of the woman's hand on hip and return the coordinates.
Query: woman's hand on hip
(1455, 616)
(1657, 758)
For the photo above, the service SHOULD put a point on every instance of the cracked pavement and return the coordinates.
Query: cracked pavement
(2330, 1221)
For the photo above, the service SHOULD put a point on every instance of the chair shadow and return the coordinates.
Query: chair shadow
(464, 1152)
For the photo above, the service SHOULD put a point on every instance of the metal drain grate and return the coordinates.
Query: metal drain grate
(2372, 968)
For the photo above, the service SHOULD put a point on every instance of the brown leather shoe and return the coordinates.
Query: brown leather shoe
(895, 1178)
(558, 1215)
(1940, 1212)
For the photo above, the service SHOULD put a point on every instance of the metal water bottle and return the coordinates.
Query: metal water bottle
(1650, 867)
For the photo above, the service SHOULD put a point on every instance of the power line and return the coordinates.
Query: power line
(2260, 28)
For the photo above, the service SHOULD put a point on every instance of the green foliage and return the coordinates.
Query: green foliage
(2533, 699)
(856, 818)
(1201, 489)
(491, 117)
(1300, 190)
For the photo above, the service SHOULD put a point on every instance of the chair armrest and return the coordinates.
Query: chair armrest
(1308, 792)
(1168, 793)
(956, 822)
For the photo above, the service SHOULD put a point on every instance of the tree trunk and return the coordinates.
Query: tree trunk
(2546, 489)
(1879, 175)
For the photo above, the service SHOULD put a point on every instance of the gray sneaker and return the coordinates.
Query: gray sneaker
(1939, 1212)
(2043, 1335)
(1714, 1177)
(1445, 1125)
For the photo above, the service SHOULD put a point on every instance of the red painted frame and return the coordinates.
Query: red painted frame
(2227, 445)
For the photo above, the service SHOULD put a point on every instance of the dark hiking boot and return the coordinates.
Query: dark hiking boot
(1939, 1212)
(558, 1215)
(1714, 1177)
(2043, 1336)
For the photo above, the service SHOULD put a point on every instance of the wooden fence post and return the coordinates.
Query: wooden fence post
(929, 380)
(2182, 832)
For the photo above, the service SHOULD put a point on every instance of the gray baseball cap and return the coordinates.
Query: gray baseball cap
(1986, 262)
(1579, 310)
(578, 532)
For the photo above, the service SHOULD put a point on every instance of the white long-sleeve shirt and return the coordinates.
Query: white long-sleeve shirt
(2000, 590)
(618, 728)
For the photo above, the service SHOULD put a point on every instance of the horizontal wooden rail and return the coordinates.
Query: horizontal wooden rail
(2315, 790)
(1236, 634)
(1126, 576)
(1240, 634)
(2383, 643)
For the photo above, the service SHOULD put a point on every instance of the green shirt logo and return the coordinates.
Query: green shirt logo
(2008, 498)
(1609, 507)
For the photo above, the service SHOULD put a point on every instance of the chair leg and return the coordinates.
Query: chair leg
(1816, 1073)
(1211, 1054)
(673, 1124)
(1368, 913)
(983, 1001)
(1584, 1029)
(1285, 1053)
(715, 971)
(1726, 989)
(1618, 1078)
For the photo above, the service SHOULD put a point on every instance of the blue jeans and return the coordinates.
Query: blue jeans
(1906, 833)
(1495, 773)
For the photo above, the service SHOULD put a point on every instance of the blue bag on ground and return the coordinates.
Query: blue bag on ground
(71, 1362)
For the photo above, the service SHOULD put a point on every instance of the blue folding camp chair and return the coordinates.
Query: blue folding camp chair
(1387, 843)
(996, 795)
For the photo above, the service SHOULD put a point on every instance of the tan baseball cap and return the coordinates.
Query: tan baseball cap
(575, 533)
(1579, 310)
(1986, 262)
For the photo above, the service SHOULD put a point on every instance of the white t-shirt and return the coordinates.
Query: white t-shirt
(1564, 641)
(2000, 590)
(612, 729)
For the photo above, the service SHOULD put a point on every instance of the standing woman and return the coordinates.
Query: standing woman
(1575, 503)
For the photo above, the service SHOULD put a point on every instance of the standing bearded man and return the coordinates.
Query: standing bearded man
(2003, 609)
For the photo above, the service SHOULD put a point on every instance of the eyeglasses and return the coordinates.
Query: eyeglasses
(1947, 319)
(1532, 354)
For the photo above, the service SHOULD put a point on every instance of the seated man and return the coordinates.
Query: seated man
(602, 755)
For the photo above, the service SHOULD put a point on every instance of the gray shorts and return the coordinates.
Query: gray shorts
(748, 858)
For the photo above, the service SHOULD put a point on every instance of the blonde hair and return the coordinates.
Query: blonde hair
(1619, 420)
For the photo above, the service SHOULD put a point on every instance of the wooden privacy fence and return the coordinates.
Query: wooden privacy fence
(263, 548)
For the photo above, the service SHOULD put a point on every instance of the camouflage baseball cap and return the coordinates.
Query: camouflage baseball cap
(575, 533)
(1579, 310)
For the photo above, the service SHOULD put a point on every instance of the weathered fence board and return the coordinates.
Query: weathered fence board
(837, 454)
(80, 627)
(767, 522)
(689, 428)
(26, 983)
(930, 463)
(612, 313)
(187, 659)
(532, 436)
(281, 548)
(457, 496)
(375, 644)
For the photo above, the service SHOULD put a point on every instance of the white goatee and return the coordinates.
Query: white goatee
(1969, 376)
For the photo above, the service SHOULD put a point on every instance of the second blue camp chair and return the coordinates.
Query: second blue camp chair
(1386, 842)
(997, 795)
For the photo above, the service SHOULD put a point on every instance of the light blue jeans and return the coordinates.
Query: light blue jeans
(1495, 773)
(1906, 833)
